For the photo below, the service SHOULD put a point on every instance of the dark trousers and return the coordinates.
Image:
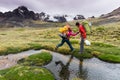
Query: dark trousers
(82, 45)
(67, 41)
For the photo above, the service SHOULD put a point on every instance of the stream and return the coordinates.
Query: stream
(11, 59)
(68, 67)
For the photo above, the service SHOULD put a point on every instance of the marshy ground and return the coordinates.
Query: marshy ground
(105, 41)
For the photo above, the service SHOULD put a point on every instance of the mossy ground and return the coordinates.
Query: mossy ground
(38, 59)
(25, 73)
(29, 69)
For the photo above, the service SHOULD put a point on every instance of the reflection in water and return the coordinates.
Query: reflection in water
(82, 74)
(64, 72)
(69, 68)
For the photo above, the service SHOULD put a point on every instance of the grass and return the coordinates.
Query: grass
(77, 79)
(110, 58)
(106, 48)
(39, 59)
(29, 68)
(25, 73)
(104, 38)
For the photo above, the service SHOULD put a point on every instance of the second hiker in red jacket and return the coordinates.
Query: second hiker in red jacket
(83, 35)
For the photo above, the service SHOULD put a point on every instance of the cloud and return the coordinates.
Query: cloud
(84, 7)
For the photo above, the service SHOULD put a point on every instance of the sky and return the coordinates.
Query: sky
(87, 8)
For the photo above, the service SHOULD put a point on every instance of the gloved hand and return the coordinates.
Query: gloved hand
(87, 43)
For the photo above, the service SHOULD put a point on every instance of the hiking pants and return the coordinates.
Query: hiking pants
(67, 41)
(82, 45)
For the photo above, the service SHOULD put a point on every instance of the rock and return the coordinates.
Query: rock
(1, 14)
(79, 17)
(8, 14)
(93, 17)
(60, 18)
(69, 17)
(42, 16)
(46, 17)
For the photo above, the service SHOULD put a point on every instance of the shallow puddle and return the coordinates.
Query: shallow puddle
(69, 68)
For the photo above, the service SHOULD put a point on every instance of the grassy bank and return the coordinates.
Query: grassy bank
(25, 73)
(29, 68)
(105, 41)
(39, 59)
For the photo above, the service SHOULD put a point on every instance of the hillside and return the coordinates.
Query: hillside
(111, 17)
(115, 13)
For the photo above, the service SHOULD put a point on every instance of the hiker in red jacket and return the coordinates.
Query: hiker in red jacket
(83, 35)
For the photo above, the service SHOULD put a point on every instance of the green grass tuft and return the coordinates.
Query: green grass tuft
(35, 46)
(37, 59)
(110, 58)
(26, 73)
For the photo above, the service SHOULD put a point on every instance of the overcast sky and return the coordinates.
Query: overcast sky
(87, 8)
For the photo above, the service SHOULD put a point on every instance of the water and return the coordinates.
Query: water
(11, 59)
(68, 67)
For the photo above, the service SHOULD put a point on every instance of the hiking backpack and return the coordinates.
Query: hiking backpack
(87, 26)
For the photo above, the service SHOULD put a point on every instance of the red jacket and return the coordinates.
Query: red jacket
(82, 31)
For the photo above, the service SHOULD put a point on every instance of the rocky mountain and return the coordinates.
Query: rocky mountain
(17, 17)
(59, 18)
(20, 15)
(21, 12)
